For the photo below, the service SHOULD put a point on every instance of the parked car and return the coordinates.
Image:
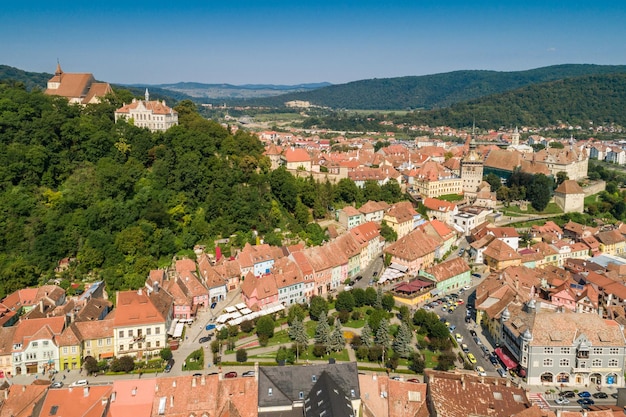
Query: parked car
(210, 327)
(458, 337)
(232, 374)
(465, 348)
(79, 383)
(466, 288)
(205, 339)
(248, 373)
(585, 401)
(568, 394)
(584, 394)
(375, 273)
(476, 275)
(502, 372)
(477, 340)
(561, 401)
(347, 288)
(614, 395)
(396, 378)
(169, 365)
(473, 333)
(213, 305)
(471, 358)
(452, 328)
(493, 359)
(600, 395)
(481, 371)
(57, 384)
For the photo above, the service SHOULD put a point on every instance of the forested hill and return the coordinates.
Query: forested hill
(600, 99)
(30, 80)
(433, 91)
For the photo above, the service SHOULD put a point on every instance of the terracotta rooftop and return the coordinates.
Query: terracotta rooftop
(136, 308)
(552, 328)
(569, 187)
(448, 269)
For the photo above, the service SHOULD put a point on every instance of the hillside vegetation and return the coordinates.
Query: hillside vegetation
(433, 91)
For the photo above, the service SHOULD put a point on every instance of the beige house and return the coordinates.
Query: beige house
(570, 197)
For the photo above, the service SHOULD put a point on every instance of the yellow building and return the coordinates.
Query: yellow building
(611, 242)
(97, 338)
(70, 350)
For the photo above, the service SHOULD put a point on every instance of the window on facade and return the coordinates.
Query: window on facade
(596, 363)
(564, 351)
(130, 333)
(547, 362)
(597, 351)
(108, 341)
(64, 349)
(614, 351)
(158, 343)
(148, 344)
(121, 348)
(564, 362)
(131, 346)
(139, 345)
(548, 350)
(148, 331)
(35, 344)
(613, 363)
(157, 330)
(73, 349)
(45, 343)
(121, 333)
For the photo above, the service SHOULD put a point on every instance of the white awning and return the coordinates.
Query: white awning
(178, 331)
(230, 309)
(241, 306)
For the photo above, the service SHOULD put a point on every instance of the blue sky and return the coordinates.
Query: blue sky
(291, 42)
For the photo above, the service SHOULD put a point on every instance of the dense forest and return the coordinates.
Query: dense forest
(123, 200)
(433, 91)
(596, 99)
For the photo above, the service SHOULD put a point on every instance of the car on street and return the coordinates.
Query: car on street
(452, 328)
(502, 372)
(213, 305)
(473, 333)
(614, 395)
(169, 365)
(248, 373)
(210, 327)
(461, 252)
(481, 371)
(465, 348)
(359, 278)
(205, 339)
(477, 340)
(561, 401)
(57, 384)
(568, 394)
(584, 394)
(468, 319)
(467, 287)
(476, 275)
(347, 288)
(80, 383)
(375, 273)
(600, 395)
(585, 401)
(460, 302)
(458, 337)
(493, 359)
(471, 358)
(396, 378)
(231, 374)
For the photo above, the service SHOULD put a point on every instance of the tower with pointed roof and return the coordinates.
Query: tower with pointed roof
(471, 173)
(515, 137)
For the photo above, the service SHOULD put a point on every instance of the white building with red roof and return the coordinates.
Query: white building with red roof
(35, 345)
(141, 321)
(154, 115)
(297, 158)
(80, 88)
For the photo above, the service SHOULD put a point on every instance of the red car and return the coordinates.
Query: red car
(413, 380)
(230, 374)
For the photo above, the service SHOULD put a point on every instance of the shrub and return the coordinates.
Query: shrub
(263, 340)
(375, 353)
(356, 315)
(166, 354)
(246, 326)
(319, 350)
(242, 355)
(344, 316)
(362, 352)
(123, 364)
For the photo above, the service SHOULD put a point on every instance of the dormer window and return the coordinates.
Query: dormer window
(301, 395)
(269, 392)
(313, 378)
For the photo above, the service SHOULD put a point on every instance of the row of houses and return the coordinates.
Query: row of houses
(315, 390)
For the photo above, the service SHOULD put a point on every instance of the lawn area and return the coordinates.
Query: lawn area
(280, 338)
(355, 324)
(450, 197)
(195, 361)
(552, 208)
(592, 199)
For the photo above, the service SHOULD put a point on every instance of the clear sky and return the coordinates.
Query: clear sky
(298, 41)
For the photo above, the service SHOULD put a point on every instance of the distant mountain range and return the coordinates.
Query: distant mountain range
(437, 91)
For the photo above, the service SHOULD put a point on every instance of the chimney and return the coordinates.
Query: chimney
(41, 309)
(193, 382)
(202, 380)
(133, 392)
(104, 401)
(113, 395)
(139, 291)
(85, 391)
(171, 401)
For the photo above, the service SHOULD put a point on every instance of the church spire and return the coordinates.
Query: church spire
(59, 71)
(147, 95)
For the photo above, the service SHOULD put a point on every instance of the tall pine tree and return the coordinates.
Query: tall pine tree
(402, 342)
(337, 340)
